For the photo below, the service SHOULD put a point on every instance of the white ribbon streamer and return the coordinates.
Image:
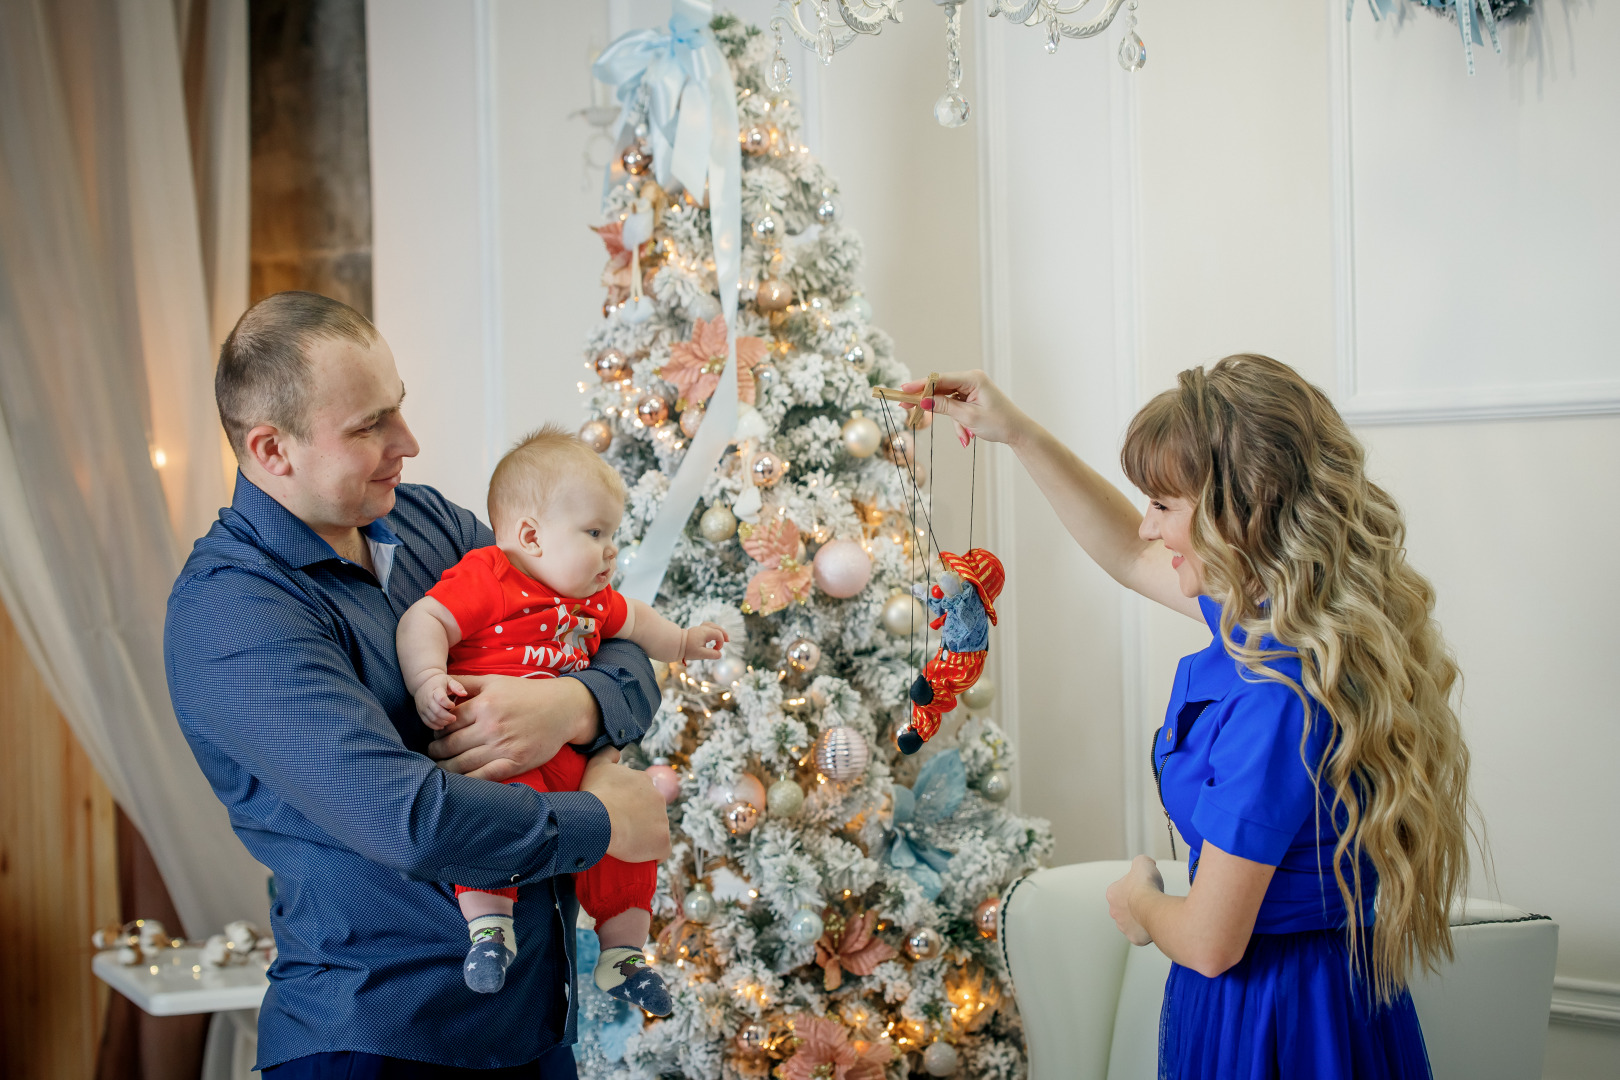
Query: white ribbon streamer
(692, 132)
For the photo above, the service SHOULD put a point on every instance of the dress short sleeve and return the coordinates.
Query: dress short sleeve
(618, 609)
(1260, 793)
(472, 592)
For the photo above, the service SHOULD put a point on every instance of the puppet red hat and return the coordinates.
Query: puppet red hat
(984, 570)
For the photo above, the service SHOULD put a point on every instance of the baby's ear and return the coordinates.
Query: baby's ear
(528, 536)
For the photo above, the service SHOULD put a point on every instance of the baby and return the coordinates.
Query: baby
(537, 605)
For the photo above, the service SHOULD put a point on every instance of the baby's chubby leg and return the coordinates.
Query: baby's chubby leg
(626, 930)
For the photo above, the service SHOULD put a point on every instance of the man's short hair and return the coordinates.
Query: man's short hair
(530, 473)
(264, 368)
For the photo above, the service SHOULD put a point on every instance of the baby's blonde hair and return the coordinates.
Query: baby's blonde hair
(532, 471)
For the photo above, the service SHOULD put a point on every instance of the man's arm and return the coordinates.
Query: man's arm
(511, 725)
(270, 686)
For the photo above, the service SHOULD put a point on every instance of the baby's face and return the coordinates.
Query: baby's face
(569, 547)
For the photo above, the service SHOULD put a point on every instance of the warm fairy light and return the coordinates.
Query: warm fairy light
(820, 779)
(159, 458)
(753, 894)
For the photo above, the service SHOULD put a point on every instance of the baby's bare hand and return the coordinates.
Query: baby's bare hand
(703, 642)
(436, 700)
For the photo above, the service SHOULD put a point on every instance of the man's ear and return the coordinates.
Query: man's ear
(528, 537)
(266, 445)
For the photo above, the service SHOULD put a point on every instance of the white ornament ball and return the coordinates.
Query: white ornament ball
(940, 1059)
(980, 695)
(728, 670)
(842, 568)
(718, 524)
(904, 615)
(841, 753)
(699, 906)
(805, 926)
(785, 798)
(862, 436)
(996, 786)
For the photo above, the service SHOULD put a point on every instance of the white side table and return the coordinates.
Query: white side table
(177, 982)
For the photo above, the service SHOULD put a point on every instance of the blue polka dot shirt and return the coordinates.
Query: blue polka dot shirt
(281, 665)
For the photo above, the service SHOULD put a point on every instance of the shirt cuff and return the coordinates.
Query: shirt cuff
(1239, 835)
(621, 680)
(583, 830)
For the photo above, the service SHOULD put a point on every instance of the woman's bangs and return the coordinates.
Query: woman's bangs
(1160, 455)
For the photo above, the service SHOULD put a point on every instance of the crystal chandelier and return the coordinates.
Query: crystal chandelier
(828, 26)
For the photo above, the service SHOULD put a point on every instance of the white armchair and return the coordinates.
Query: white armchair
(1090, 1001)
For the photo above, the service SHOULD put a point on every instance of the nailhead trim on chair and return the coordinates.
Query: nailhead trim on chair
(1001, 925)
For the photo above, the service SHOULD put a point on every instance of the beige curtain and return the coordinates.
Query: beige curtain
(123, 257)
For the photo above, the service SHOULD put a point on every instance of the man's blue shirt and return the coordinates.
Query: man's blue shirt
(281, 665)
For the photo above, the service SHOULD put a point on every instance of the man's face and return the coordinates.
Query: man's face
(344, 475)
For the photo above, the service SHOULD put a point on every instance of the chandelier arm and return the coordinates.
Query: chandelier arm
(1023, 14)
(882, 12)
(1095, 26)
(787, 14)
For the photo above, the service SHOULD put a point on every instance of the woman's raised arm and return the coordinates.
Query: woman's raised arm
(1096, 513)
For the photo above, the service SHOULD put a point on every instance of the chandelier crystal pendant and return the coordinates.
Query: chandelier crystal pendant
(829, 26)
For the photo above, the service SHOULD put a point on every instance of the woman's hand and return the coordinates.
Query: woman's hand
(976, 404)
(1144, 874)
(511, 725)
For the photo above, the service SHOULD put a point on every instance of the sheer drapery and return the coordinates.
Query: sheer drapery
(114, 280)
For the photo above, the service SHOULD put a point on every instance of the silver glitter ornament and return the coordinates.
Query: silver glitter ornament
(841, 753)
(785, 798)
(718, 524)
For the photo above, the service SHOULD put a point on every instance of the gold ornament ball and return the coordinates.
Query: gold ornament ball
(755, 140)
(980, 695)
(903, 615)
(924, 943)
(612, 366)
(691, 420)
(635, 159)
(718, 524)
(652, 410)
(773, 294)
(898, 447)
(596, 434)
(862, 437)
(803, 655)
(767, 469)
(741, 817)
(784, 799)
(987, 916)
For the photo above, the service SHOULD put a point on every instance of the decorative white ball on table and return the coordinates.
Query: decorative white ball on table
(842, 568)
(805, 926)
(841, 753)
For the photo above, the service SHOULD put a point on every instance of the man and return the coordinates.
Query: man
(279, 647)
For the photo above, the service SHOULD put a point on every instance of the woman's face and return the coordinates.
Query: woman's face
(1169, 520)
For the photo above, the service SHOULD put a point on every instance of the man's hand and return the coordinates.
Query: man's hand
(635, 810)
(511, 725)
(1144, 874)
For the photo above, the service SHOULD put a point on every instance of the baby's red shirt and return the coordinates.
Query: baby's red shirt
(513, 625)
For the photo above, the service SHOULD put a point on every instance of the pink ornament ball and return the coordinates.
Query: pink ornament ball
(842, 568)
(666, 780)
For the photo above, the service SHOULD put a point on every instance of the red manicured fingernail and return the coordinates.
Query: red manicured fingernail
(927, 404)
(963, 436)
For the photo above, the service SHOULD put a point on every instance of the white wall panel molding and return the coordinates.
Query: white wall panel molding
(1588, 1002)
(1446, 321)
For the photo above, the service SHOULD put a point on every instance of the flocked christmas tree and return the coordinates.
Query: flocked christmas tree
(828, 901)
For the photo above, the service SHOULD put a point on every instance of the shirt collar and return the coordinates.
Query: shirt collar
(285, 536)
(1213, 672)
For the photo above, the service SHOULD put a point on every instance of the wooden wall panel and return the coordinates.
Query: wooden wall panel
(58, 880)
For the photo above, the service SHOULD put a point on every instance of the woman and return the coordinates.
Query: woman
(1310, 756)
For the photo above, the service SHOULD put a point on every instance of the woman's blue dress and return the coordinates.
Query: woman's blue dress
(1230, 771)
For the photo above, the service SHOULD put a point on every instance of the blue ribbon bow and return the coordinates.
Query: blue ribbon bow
(941, 786)
(692, 132)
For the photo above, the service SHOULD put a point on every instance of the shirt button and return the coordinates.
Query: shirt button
(514, 877)
(621, 733)
(579, 862)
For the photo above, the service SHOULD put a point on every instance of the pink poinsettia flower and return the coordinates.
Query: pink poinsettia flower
(825, 1049)
(694, 366)
(783, 579)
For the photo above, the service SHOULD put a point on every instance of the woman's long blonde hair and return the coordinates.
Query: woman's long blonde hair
(1298, 544)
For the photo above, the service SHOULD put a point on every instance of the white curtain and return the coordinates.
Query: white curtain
(123, 259)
